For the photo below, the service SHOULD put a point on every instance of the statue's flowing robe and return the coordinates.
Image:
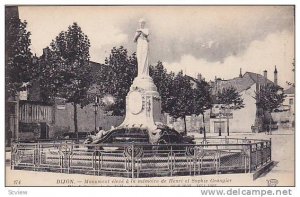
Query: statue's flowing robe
(142, 53)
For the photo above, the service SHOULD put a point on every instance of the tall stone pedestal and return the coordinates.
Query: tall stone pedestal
(142, 123)
(143, 105)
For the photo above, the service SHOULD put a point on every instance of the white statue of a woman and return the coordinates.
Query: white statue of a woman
(142, 51)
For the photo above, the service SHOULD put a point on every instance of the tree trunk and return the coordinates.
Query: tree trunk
(227, 124)
(17, 118)
(259, 120)
(204, 131)
(75, 121)
(184, 120)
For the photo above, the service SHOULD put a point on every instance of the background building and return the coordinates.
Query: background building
(29, 118)
(285, 115)
(241, 120)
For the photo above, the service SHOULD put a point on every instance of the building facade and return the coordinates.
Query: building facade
(241, 120)
(36, 120)
(285, 115)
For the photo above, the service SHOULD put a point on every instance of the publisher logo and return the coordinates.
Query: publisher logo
(272, 182)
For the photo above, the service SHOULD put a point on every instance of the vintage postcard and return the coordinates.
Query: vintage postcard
(150, 95)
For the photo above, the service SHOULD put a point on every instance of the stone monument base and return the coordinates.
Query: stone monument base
(143, 105)
(143, 120)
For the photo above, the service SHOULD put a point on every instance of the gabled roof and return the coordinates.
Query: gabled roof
(257, 78)
(241, 83)
(290, 90)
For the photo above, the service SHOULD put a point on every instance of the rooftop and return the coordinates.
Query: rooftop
(290, 90)
(241, 83)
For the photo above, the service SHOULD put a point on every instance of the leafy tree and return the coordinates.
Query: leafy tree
(268, 98)
(49, 77)
(18, 62)
(202, 100)
(163, 81)
(181, 95)
(117, 76)
(71, 59)
(230, 100)
(19, 66)
(181, 98)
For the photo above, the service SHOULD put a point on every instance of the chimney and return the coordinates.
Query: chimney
(199, 77)
(275, 76)
(241, 73)
(257, 88)
(34, 59)
(45, 52)
(266, 74)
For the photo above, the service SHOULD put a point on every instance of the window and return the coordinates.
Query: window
(291, 101)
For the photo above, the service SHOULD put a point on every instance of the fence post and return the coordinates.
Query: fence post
(171, 159)
(270, 147)
(61, 156)
(35, 155)
(256, 156)
(217, 159)
(250, 157)
(99, 162)
(38, 154)
(194, 160)
(12, 156)
(262, 155)
(69, 152)
(132, 161)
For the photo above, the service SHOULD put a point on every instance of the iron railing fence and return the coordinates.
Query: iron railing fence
(215, 155)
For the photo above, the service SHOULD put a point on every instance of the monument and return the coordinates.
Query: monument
(143, 103)
(143, 119)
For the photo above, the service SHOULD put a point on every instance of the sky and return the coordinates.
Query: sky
(215, 41)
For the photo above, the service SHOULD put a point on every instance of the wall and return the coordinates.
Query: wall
(193, 123)
(287, 102)
(285, 116)
(64, 118)
(219, 122)
(31, 115)
(284, 119)
(34, 113)
(244, 118)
